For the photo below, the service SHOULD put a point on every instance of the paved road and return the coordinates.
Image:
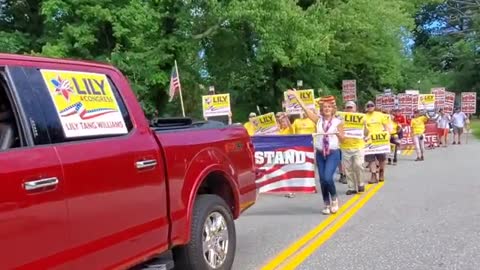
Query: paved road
(426, 216)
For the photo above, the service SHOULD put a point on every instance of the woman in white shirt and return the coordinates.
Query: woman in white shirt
(443, 126)
(328, 137)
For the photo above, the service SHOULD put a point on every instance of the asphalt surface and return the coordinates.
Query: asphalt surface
(426, 216)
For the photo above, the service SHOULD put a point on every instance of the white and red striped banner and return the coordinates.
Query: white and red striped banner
(285, 164)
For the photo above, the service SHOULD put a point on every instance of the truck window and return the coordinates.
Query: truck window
(81, 105)
(10, 129)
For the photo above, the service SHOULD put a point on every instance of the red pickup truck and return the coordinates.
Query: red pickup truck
(89, 183)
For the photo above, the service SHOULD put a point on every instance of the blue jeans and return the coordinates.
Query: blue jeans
(326, 170)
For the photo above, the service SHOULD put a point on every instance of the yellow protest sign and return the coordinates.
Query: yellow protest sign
(353, 124)
(426, 102)
(317, 105)
(215, 105)
(378, 143)
(292, 105)
(265, 124)
(85, 103)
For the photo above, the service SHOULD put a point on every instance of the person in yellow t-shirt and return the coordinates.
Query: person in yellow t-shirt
(352, 157)
(284, 124)
(249, 125)
(376, 122)
(418, 130)
(304, 125)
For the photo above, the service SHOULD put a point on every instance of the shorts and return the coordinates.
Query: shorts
(442, 132)
(457, 130)
(372, 158)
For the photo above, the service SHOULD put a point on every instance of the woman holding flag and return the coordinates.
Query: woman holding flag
(328, 137)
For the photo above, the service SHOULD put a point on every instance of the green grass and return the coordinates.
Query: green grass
(475, 126)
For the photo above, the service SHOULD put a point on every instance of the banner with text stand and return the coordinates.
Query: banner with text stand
(285, 164)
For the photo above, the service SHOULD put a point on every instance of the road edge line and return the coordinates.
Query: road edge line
(289, 251)
(308, 250)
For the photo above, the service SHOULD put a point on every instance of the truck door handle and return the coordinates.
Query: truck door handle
(146, 164)
(42, 183)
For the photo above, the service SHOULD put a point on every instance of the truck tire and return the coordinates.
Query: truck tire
(212, 237)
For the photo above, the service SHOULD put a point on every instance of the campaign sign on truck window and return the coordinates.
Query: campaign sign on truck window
(85, 103)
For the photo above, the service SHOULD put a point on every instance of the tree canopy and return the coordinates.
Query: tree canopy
(256, 49)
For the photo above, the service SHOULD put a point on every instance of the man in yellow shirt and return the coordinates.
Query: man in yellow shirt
(376, 122)
(418, 129)
(249, 125)
(304, 125)
(352, 156)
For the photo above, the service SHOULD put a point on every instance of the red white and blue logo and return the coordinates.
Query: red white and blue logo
(79, 108)
(62, 87)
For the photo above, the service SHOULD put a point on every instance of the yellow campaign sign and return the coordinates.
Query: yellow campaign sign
(426, 102)
(317, 105)
(265, 124)
(378, 143)
(216, 105)
(354, 125)
(85, 103)
(292, 105)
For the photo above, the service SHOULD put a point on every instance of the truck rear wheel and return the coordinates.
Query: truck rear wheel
(213, 237)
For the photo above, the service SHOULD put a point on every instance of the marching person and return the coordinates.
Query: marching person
(352, 157)
(395, 136)
(284, 124)
(327, 144)
(249, 126)
(418, 130)
(304, 125)
(400, 118)
(443, 127)
(459, 119)
(376, 122)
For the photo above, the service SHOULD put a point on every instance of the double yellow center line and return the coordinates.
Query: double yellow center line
(299, 251)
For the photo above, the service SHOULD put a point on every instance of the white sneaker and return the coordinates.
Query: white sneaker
(326, 210)
(334, 207)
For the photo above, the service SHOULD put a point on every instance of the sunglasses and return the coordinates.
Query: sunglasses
(349, 107)
(370, 105)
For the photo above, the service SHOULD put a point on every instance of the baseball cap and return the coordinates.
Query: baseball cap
(370, 103)
(252, 114)
(350, 104)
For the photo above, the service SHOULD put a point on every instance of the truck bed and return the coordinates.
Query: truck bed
(169, 124)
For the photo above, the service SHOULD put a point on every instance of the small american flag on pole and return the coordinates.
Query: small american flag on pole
(174, 82)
